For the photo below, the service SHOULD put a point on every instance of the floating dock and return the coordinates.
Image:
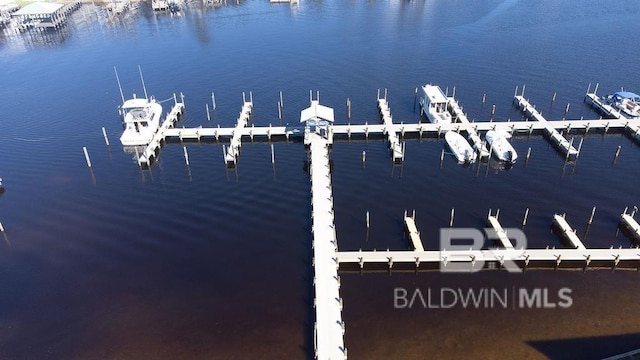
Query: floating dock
(329, 327)
(395, 148)
(562, 144)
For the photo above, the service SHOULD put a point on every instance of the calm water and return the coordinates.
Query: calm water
(202, 262)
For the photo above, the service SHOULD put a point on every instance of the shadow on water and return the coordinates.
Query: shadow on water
(594, 347)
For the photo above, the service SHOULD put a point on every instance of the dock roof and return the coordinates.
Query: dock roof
(38, 8)
(434, 93)
(316, 112)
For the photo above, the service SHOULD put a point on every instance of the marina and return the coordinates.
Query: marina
(169, 249)
(318, 133)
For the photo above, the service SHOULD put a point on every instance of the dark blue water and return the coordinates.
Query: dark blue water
(204, 262)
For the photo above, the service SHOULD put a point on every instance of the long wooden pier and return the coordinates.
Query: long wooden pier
(329, 327)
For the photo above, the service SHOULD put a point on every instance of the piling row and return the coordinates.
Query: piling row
(397, 151)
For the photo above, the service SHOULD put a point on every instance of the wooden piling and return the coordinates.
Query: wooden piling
(452, 215)
(224, 153)
(593, 212)
(208, 115)
(186, 155)
(368, 220)
(86, 156)
(526, 215)
(213, 100)
(279, 111)
(273, 158)
(104, 133)
(580, 146)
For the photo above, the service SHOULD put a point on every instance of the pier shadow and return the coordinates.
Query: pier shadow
(595, 347)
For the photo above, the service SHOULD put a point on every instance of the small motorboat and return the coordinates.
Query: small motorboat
(500, 146)
(626, 102)
(460, 147)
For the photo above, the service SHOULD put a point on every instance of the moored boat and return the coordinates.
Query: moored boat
(434, 104)
(460, 147)
(626, 102)
(500, 146)
(141, 118)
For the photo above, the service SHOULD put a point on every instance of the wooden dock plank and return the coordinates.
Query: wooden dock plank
(501, 235)
(568, 233)
(414, 235)
(329, 326)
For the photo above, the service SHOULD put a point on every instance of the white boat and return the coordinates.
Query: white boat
(501, 148)
(141, 118)
(626, 102)
(460, 147)
(434, 104)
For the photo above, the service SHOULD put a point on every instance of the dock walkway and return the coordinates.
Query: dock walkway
(152, 150)
(478, 144)
(414, 234)
(394, 144)
(236, 140)
(566, 147)
(329, 326)
(499, 232)
(567, 232)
